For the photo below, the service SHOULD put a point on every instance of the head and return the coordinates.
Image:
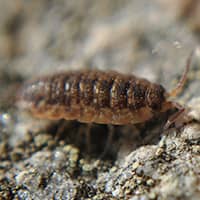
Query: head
(155, 97)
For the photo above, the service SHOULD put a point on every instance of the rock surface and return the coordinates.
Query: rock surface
(52, 160)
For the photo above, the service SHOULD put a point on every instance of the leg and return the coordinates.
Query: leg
(109, 140)
(63, 125)
(179, 118)
(174, 118)
(88, 137)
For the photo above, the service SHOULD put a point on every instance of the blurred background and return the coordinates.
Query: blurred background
(149, 38)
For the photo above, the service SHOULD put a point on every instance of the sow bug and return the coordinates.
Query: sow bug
(101, 97)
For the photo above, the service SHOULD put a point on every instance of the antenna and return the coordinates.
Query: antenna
(177, 90)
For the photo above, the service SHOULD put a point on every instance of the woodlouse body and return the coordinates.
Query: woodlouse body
(94, 96)
(102, 97)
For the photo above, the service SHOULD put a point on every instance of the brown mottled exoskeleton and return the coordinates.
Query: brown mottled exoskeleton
(101, 97)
